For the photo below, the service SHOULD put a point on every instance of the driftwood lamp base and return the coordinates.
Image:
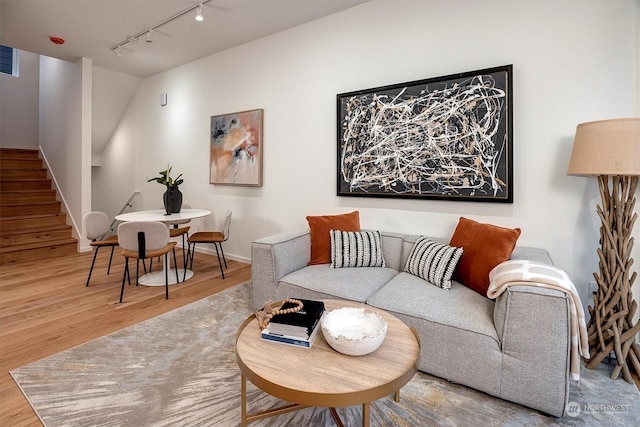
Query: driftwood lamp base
(611, 327)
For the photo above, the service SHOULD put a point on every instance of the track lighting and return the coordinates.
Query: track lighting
(149, 31)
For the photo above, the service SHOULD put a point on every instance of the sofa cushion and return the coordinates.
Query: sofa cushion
(344, 283)
(393, 249)
(485, 246)
(433, 262)
(319, 227)
(459, 308)
(356, 249)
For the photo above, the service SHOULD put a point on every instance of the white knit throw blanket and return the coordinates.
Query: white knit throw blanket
(530, 273)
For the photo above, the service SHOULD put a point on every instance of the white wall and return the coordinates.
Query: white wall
(115, 181)
(573, 61)
(111, 93)
(19, 104)
(65, 133)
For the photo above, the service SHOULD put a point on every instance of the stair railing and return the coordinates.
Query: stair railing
(122, 209)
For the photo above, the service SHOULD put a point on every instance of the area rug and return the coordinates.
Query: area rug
(179, 369)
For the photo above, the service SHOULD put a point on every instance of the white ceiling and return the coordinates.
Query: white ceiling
(91, 28)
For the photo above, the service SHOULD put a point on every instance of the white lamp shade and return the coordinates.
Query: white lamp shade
(606, 147)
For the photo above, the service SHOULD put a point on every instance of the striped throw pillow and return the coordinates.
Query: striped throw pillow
(356, 249)
(434, 262)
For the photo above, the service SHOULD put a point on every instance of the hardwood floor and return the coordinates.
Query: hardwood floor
(45, 308)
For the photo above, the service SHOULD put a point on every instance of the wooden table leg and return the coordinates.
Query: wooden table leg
(336, 417)
(365, 414)
(243, 398)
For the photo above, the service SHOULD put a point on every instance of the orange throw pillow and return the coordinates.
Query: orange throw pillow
(321, 239)
(485, 246)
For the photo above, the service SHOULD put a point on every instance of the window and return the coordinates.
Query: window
(8, 60)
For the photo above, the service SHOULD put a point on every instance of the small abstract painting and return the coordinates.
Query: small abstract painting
(236, 148)
(444, 138)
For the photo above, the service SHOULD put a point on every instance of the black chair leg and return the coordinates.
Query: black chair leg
(137, 270)
(185, 256)
(223, 257)
(193, 254)
(175, 265)
(110, 258)
(95, 254)
(219, 262)
(166, 275)
(186, 262)
(126, 272)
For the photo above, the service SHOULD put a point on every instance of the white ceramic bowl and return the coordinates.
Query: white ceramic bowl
(352, 331)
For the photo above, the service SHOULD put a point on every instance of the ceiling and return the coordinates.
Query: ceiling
(91, 28)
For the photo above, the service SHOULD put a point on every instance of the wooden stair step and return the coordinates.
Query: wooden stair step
(25, 185)
(7, 164)
(42, 236)
(36, 245)
(19, 153)
(19, 174)
(12, 198)
(36, 227)
(32, 222)
(30, 209)
(34, 252)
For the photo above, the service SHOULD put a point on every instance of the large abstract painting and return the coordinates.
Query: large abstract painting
(447, 138)
(236, 148)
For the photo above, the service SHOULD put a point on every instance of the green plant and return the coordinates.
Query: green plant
(166, 180)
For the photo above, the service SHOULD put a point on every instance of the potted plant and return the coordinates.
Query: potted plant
(172, 197)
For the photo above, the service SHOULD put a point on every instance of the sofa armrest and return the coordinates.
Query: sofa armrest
(274, 257)
(533, 325)
(531, 254)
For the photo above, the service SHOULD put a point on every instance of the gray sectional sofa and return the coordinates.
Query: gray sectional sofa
(515, 348)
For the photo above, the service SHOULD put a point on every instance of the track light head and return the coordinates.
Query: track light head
(150, 36)
(117, 51)
(199, 13)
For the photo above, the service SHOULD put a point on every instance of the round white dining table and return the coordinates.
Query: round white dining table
(160, 215)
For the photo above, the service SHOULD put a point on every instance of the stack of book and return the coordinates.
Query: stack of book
(299, 328)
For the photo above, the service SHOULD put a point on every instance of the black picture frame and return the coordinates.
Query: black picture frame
(442, 138)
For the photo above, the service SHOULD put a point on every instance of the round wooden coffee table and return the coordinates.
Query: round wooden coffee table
(320, 376)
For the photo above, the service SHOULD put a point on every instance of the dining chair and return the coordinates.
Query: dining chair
(143, 240)
(176, 231)
(214, 237)
(96, 226)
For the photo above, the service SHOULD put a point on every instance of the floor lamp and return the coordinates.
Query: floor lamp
(610, 150)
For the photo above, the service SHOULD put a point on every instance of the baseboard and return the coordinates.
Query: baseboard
(211, 251)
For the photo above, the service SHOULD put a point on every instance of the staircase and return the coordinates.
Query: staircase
(32, 225)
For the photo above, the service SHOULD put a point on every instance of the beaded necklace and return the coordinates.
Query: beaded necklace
(269, 309)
